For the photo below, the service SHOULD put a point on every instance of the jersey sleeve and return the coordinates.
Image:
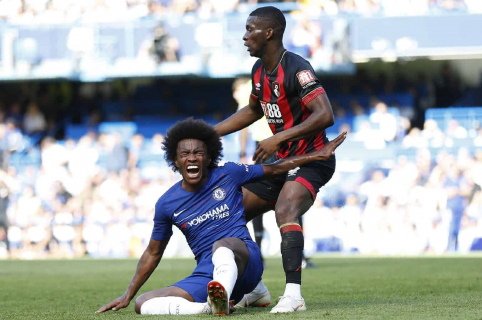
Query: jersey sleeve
(255, 81)
(162, 224)
(242, 173)
(307, 84)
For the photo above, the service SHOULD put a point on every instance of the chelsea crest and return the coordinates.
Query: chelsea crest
(219, 194)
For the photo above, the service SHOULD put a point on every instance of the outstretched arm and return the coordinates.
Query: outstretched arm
(285, 165)
(321, 117)
(241, 119)
(147, 264)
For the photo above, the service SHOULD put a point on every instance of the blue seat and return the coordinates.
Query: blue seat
(468, 117)
(76, 131)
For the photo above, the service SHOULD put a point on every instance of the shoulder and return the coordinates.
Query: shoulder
(229, 166)
(232, 169)
(258, 64)
(296, 62)
(223, 170)
(168, 198)
(219, 173)
(217, 170)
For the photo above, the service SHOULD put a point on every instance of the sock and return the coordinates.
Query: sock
(174, 306)
(293, 290)
(292, 243)
(225, 269)
(258, 230)
(260, 288)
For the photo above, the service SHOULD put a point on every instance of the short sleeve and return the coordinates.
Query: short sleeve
(162, 224)
(255, 81)
(307, 84)
(242, 173)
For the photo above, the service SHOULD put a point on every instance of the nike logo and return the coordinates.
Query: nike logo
(176, 214)
(296, 308)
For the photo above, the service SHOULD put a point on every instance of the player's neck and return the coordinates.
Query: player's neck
(272, 57)
(194, 187)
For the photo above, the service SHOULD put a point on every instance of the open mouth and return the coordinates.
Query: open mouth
(193, 171)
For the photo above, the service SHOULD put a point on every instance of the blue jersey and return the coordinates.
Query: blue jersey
(214, 212)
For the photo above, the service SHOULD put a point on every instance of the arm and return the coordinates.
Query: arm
(147, 264)
(241, 119)
(320, 119)
(243, 141)
(285, 165)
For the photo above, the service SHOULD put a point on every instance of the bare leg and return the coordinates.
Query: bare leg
(294, 200)
(238, 247)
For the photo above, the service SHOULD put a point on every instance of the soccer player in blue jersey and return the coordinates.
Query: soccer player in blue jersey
(207, 206)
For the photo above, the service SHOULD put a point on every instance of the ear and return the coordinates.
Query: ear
(177, 164)
(269, 33)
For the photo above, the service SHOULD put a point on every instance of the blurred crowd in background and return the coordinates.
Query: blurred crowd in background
(94, 195)
(56, 11)
(91, 197)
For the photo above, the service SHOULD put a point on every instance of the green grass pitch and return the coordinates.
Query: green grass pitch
(341, 288)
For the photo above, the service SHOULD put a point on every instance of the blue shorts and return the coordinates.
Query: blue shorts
(196, 284)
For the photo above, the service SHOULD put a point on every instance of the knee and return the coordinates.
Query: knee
(220, 243)
(286, 213)
(139, 302)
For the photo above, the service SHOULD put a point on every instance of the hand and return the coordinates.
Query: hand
(266, 148)
(114, 305)
(329, 149)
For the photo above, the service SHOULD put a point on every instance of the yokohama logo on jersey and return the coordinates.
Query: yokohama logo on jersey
(214, 214)
(305, 77)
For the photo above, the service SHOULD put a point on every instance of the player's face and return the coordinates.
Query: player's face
(192, 159)
(255, 36)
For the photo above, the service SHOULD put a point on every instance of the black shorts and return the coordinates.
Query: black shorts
(313, 176)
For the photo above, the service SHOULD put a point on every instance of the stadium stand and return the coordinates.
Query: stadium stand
(94, 190)
(83, 168)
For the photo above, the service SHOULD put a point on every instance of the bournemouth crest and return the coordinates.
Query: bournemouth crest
(276, 88)
(219, 194)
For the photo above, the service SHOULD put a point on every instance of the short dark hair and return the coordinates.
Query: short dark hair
(192, 129)
(272, 15)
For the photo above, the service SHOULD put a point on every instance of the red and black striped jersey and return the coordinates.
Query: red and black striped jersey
(283, 95)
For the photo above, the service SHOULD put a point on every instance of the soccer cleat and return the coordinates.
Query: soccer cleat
(287, 304)
(218, 298)
(255, 299)
(207, 308)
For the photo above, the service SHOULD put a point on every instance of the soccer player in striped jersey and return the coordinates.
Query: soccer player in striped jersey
(287, 92)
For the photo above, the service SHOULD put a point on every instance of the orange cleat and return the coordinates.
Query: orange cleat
(218, 298)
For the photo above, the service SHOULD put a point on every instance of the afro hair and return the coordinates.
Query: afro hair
(192, 129)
